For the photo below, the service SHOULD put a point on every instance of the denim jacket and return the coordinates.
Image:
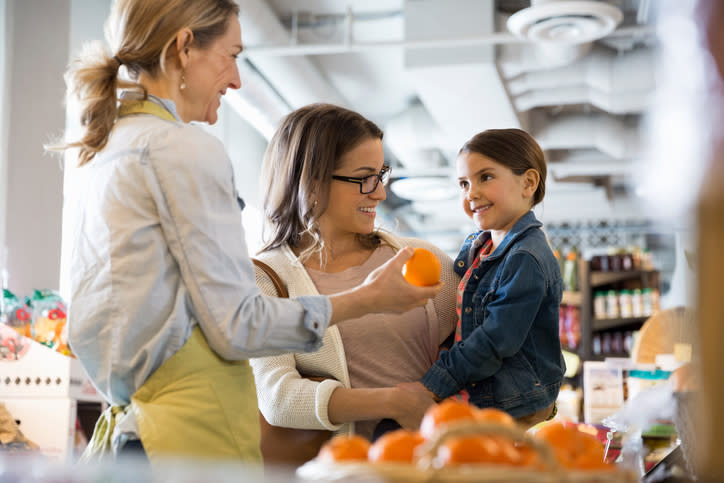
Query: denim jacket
(510, 354)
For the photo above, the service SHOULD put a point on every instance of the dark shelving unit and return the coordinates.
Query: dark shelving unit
(591, 281)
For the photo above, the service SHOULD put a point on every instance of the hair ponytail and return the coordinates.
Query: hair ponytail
(140, 33)
(92, 81)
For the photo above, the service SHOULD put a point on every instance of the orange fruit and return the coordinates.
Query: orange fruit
(494, 415)
(560, 438)
(529, 457)
(422, 269)
(574, 448)
(345, 447)
(398, 446)
(443, 413)
(468, 449)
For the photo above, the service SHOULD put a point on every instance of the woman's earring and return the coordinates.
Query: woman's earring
(315, 203)
(183, 81)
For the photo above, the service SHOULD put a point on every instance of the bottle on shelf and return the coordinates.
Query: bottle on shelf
(612, 311)
(570, 271)
(647, 262)
(596, 343)
(647, 302)
(637, 303)
(625, 304)
(599, 305)
(572, 326)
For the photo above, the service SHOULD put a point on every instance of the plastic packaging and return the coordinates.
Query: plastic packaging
(16, 314)
(49, 317)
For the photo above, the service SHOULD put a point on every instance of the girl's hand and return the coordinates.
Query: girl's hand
(410, 407)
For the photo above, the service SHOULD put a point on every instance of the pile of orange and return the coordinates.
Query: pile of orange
(422, 268)
(573, 448)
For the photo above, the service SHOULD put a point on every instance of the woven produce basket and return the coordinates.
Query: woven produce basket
(427, 469)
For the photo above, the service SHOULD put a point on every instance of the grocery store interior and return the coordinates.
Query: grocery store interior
(625, 97)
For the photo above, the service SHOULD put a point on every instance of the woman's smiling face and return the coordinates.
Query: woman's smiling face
(209, 73)
(350, 212)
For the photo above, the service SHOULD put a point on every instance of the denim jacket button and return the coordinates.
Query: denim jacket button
(468, 310)
(472, 384)
(461, 264)
(475, 277)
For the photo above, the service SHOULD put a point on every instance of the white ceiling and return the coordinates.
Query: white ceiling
(432, 73)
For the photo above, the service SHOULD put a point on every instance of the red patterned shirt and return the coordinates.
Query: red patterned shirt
(483, 253)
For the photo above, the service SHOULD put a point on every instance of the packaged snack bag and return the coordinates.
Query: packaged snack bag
(49, 317)
(15, 313)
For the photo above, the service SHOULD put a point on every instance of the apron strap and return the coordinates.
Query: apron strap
(144, 107)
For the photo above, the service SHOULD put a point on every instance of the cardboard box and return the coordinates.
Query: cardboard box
(602, 391)
(47, 422)
(31, 370)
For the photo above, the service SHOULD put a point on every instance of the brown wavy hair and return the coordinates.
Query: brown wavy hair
(513, 148)
(139, 33)
(297, 171)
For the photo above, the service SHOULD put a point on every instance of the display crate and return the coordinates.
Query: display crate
(31, 370)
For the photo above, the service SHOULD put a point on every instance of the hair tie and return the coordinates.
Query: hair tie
(120, 63)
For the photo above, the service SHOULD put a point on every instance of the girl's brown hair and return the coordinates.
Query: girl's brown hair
(297, 169)
(513, 148)
(140, 33)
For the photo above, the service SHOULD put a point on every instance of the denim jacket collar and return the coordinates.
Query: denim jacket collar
(476, 240)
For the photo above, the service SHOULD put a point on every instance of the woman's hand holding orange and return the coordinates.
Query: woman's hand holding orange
(384, 290)
(391, 292)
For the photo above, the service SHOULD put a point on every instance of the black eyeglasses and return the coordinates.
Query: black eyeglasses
(369, 183)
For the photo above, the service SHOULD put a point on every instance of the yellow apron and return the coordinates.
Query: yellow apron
(196, 404)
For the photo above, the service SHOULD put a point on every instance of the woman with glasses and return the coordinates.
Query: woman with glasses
(326, 176)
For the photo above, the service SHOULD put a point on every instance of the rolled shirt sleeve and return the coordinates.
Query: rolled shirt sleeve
(200, 218)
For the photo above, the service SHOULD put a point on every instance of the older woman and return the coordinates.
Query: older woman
(163, 306)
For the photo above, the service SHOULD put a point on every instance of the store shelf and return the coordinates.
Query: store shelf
(591, 281)
(603, 324)
(571, 298)
(606, 278)
(607, 355)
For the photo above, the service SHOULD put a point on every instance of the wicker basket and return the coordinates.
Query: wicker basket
(427, 471)
(686, 406)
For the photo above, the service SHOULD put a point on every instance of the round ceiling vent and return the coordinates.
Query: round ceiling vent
(567, 22)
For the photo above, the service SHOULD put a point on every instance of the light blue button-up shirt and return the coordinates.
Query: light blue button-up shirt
(157, 248)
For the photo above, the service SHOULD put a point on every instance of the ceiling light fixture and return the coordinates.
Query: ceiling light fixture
(566, 22)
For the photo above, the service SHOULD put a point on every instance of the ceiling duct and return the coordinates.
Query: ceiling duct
(260, 26)
(608, 134)
(618, 83)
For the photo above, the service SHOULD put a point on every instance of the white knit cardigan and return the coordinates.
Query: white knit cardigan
(289, 400)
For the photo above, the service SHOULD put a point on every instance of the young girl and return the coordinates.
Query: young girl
(507, 352)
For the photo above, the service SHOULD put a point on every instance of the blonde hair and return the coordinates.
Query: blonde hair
(297, 169)
(139, 33)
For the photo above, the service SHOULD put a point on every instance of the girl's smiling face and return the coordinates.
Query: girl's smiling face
(492, 195)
